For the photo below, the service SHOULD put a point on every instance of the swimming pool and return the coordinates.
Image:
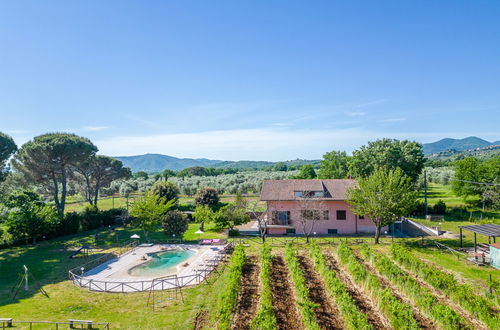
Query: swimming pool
(162, 263)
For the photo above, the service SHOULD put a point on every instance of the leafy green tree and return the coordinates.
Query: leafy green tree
(175, 223)
(467, 171)
(384, 197)
(207, 196)
(7, 149)
(98, 172)
(389, 154)
(49, 160)
(230, 216)
(203, 214)
(280, 166)
(28, 216)
(334, 165)
(168, 190)
(141, 174)
(168, 174)
(306, 172)
(491, 197)
(148, 211)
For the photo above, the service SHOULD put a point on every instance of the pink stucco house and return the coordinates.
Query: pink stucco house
(321, 200)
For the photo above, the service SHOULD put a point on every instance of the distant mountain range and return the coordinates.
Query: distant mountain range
(446, 149)
(468, 143)
(156, 163)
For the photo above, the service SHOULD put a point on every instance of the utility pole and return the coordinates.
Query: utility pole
(425, 193)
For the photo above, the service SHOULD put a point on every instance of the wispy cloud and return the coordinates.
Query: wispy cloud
(356, 113)
(18, 131)
(94, 128)
(281, 124)
(370, 103)
(391, 120)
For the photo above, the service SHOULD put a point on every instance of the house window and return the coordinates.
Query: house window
(332, 231)
(274, 216)
(310, 214)
(326, 215)
(341, 215)
(309, 194)
(283, 217)
(361, 217)
(290, 230)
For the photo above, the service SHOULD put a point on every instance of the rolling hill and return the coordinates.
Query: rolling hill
(152, 163)
(157, 163)
(468, 143)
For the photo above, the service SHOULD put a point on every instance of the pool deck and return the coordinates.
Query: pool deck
(113, 275)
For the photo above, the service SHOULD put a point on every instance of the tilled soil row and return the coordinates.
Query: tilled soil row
(284, 302)
(446, 300)
(327, 314)
(248, 297)
(362, 298)
(424, 322)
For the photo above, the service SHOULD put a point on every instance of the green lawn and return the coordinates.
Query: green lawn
(436, 191)
(49, 264)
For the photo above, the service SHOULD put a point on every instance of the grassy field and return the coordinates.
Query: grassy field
(438, 192)
(121, 202)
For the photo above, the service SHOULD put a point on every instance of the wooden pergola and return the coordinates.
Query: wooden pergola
(488, 229)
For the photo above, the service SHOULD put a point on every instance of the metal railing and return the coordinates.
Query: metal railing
(145, 285)
(71, 325)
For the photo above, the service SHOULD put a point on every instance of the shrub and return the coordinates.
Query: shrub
(207, 196)
(175, 223)
(233, 232)
(439, 207)
(92, 217)
(167, 190)
(419, 209)
(70, 224)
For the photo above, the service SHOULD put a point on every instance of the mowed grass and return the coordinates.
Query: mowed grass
(49, 263)
(438, 192)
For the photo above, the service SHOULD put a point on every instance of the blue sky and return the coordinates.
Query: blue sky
(257, 80)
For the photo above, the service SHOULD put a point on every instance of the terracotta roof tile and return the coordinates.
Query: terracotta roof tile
(283, 190)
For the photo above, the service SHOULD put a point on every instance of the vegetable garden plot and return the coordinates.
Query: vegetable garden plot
(248, 296)
(327, 314)
(399, 314)
(462, 294)
(350, 298)
(428, 304)
(285, 308)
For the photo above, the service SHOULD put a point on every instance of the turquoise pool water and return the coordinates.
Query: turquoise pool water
(161, 263)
